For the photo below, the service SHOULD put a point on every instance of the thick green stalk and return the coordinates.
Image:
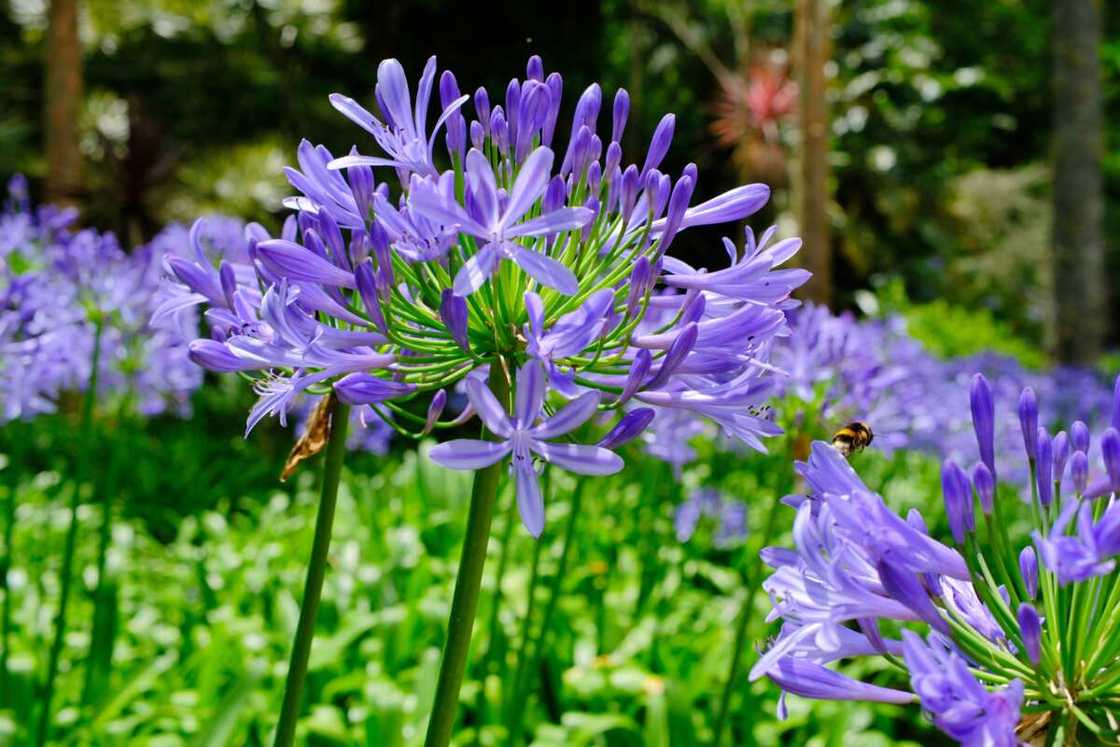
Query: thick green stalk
(468, 583)
(316, 570)
(742, 625)
(43, 731)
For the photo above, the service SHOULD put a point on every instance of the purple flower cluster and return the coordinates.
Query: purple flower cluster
(729, 515)
(511, 252)
(873, 370)
(993, 613)
(59, 285)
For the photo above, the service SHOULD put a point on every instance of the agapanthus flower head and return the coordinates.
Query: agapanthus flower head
(1018, 631)
(405, 272)
(65, 293)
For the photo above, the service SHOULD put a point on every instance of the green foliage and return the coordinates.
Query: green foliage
(637, 651)
(949, 331)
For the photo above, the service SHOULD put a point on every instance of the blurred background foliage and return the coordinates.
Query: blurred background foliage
(940, 114)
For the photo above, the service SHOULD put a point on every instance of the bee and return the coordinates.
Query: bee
(853, 437)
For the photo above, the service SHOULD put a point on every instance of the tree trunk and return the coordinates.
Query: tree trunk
(1082, 316)
(813, 51)
(63, 98)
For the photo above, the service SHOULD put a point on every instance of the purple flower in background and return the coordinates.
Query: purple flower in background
(522, 436)
(730, 517)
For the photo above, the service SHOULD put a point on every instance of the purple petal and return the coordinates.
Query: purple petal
(530, 502)
(531, 386)
(292, 261)
(345, 162)
(392, 86)
(427, 201)
(355, 112)
(580, 458)
(530, 184)
(562, 219)
(476, 270)
(364, 389)
(484, 189)
(542, 268)
(571, 416)
(491, 411)
(469, 453)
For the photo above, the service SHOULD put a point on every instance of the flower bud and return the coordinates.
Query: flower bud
(1044, 467)
(619, 114)
(1030, 625)
(1116, 404)
(228, 281)
(453, 312)
(478, 134)
(985, 486)
(639, 369)
(456, 124)
(640, 278)
(365, 389)
(902, 585)
(435, 409)
(594, 177)
(679, 349)
(292, 261)
(958, 500)
(678, 204)
(628, 194)
(499, 130)
(659, 143)
(482, 109)
(1028, 568)
(1079, 471)
(555, 91)
(1060, 446)
(983, 420)
(1079, 436)
(1028, 421)
(630, 426)
(613, 159)
(367, 290)
(214, 356)
(534, 68)
(1110, 451)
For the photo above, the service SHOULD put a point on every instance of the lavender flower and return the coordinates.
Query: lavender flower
(500, 261)
(995, 617)
(59, 290)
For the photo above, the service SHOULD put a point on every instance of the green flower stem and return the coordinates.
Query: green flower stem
(6, 564)
(742, 625)
(316, 570)
(464, 602)
(494, 625)
(42, 733)
(521, 692)
(98, 662)
(510, 696)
